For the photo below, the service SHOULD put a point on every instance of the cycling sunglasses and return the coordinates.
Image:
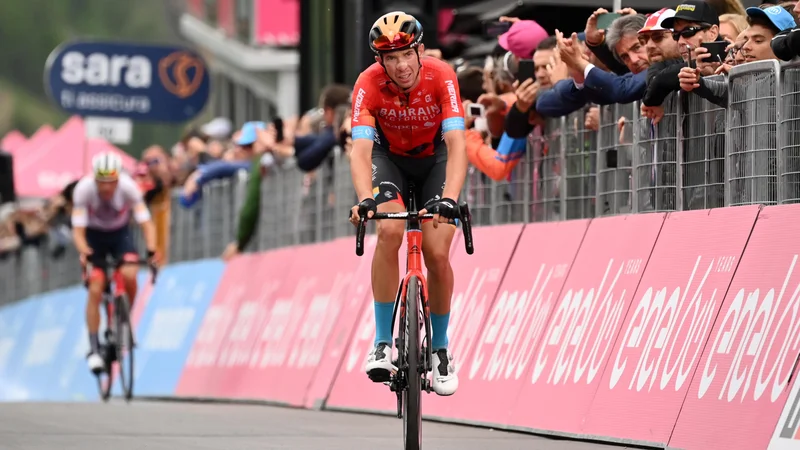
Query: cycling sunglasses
(399, 40)
(688, 32)
(106, 175)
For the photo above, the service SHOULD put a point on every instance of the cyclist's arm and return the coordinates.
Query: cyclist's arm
(454, 137)
(363, 132)
(140, 213)
(80, 217)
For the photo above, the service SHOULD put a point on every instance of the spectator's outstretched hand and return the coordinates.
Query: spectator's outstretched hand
(509, 19)
(654, 113)
(705, 63)
(689, 79)
(569, 51)
(592, 121)
(594, 36)
(231, 251)
(526, 94)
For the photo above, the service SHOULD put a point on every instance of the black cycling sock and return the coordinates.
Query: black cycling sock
(94, 342)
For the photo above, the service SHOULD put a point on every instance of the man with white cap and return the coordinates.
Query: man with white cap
(663, 52)
(657, 39)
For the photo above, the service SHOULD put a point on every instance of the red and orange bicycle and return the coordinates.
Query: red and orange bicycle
(415, 358)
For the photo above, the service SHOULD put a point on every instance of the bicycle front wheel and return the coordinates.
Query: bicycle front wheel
(412, 410)
(124, 343)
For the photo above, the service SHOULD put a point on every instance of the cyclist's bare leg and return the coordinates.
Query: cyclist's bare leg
(436, 252)
(385, 280)
(436, 244)
(128, 272)
(93, 305)
(96, 285)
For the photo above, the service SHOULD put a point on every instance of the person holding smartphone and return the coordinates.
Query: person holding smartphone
(694, 24)
(763, 24)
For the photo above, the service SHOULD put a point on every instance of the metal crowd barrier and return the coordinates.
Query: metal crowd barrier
(700, 155)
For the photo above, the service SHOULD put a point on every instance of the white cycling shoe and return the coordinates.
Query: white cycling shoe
(95, 362)
(445, 379)
(379, 364)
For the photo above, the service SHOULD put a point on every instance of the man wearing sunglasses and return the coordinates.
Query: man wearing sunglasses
(695, 22)
(408, 126)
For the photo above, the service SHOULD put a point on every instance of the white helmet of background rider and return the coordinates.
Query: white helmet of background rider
(106, 166)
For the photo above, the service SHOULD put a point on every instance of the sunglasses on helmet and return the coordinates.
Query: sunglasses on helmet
(688, 32)
(399, 40)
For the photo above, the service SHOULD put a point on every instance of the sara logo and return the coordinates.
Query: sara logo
(181, 73)
(140, 82)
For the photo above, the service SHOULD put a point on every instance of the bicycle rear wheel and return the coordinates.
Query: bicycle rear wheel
(412, 411)
(124, 345)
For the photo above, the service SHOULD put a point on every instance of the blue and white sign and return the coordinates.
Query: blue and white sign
(170, 323)
(135, 81)
(15, 332)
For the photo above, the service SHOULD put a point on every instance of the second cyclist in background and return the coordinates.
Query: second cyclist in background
(102, 206)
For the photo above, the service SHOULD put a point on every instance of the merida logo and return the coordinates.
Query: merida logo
(357, 106)
(451, 89)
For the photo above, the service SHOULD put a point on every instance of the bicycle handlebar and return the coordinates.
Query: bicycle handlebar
(115, 264)
(465, 217)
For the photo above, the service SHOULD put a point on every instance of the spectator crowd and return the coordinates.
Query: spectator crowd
(618, 58)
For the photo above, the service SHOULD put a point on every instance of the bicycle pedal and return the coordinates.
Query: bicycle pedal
(381, 376)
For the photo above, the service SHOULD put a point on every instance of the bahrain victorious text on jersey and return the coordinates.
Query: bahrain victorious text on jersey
(408, 124)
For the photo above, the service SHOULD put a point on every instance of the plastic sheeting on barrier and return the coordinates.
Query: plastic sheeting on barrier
(169, 324)
(665, 329)
(581, 331)
(742, 381)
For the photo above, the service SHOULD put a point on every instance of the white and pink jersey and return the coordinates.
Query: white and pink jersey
(91, 212)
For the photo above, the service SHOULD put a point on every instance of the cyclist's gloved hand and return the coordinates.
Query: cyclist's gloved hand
(362, 209)
(447, 208)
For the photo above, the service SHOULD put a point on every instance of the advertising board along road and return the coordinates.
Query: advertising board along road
(667, 326)
(140, 82)
(568, 363)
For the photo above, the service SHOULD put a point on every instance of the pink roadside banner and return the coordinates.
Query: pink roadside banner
(492, 372)
(477, 279)
(357, 296)
(233, 323)
(663, 335)
(743, 380)
(306, 308)
(568, 362)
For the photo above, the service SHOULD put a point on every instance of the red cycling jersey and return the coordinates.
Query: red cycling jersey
(407, 124)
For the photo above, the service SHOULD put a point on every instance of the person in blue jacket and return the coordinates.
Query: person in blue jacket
(220, 169)
(591, 84)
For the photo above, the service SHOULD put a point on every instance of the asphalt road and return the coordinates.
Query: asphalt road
(171, 426)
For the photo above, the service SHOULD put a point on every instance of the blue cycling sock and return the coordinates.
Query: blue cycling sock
(383, 323)
(94, 342)
(439, 323)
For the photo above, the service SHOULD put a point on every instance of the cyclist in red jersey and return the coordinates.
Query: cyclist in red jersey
(408, 127)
